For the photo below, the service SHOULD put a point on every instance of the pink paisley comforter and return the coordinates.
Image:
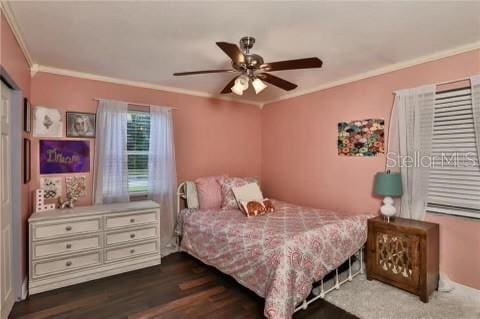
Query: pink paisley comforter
(278, 255)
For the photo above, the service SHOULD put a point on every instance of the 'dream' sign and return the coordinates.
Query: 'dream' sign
(57, 157)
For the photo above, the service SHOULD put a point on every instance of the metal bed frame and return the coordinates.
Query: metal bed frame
(320, 290)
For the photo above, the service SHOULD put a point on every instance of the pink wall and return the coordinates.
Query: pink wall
(212, 136)
(300, 162)
(14, 63)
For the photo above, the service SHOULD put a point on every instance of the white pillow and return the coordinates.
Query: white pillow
(247, 193)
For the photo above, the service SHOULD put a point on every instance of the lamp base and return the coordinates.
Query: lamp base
(387, 209)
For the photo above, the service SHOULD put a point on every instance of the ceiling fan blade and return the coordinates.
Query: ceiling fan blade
(306, 63)
(202, 72)
(233, 51)
(281, 83)
(228, 87)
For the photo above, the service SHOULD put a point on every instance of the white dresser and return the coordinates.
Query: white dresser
(85, 243)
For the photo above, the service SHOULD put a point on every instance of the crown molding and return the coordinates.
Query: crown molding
(10, 18)
(383, 70)
(90, 76)
(35, 68)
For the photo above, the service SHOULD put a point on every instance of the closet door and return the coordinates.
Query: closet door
(7, 297)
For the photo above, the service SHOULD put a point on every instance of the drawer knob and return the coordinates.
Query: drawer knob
(68, 246)
(132, 251)
(132, 235)
(132, 220)
(68, 263)
(68, 228)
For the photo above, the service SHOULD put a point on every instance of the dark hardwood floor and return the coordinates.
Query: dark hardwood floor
(181, 287)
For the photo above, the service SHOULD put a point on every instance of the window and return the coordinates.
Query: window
(138, 135)
(454, 184)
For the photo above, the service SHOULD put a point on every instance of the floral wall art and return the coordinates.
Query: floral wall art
(361, 138)
(76, 185)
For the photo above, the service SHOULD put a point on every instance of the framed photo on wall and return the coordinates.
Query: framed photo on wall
(81, 124)
(27, 115)
(27, 162)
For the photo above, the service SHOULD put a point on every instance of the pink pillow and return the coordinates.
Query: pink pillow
(228, 198)
(209, 192)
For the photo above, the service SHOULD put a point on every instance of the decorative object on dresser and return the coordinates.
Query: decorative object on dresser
(388, 185)
(404, 253)
(39, 202)
(85, 243)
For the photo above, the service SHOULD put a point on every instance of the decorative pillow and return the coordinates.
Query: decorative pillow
(228, 199)
(256, 208)
(209, 192)
(252, 208)
(248, 192)
(268, 205)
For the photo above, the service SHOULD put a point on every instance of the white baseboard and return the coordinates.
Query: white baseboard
(25, 288)
(466, 290)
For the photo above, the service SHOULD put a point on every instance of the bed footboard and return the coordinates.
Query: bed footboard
(320, 291)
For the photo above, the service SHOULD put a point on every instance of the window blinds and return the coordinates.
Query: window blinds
(138, 135)
(454, 179)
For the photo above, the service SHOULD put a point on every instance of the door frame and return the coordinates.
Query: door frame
(16, 138)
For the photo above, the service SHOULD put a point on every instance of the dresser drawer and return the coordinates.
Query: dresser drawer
(46, 231)
(54, 248)
(130, 219)
(125, 236)
(70, 263)
(114, 254)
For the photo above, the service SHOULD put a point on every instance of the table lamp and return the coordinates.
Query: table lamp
(388, 185)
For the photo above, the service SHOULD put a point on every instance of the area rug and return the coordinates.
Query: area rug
(375, 300)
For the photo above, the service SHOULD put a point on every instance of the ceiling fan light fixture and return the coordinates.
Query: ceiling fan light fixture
(258, 85)
(242, 81)
(241, 84)
(237, 89)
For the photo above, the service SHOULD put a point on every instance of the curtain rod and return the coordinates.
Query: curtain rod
(444, 82)
(135, 103)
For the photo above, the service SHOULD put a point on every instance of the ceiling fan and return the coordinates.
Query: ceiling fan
(251, 68)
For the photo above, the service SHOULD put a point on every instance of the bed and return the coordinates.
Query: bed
(278, 255)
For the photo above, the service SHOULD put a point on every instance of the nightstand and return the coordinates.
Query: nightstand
(404, 253)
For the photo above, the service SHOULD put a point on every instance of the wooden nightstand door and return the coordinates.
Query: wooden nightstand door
(397, 258)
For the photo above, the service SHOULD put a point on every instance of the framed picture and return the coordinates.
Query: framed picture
(361, 138)
(80, 124)
(27, 163)
(47, 122)
(27, 115)
(52, 187)
(60, 156)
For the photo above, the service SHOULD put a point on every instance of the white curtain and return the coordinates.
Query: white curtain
(409, 147)
(162, 174)
(475, 83)
(111, 174)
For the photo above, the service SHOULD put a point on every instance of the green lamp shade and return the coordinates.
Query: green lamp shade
(388, 184)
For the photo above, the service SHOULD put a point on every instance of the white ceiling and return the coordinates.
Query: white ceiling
(148, 41)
